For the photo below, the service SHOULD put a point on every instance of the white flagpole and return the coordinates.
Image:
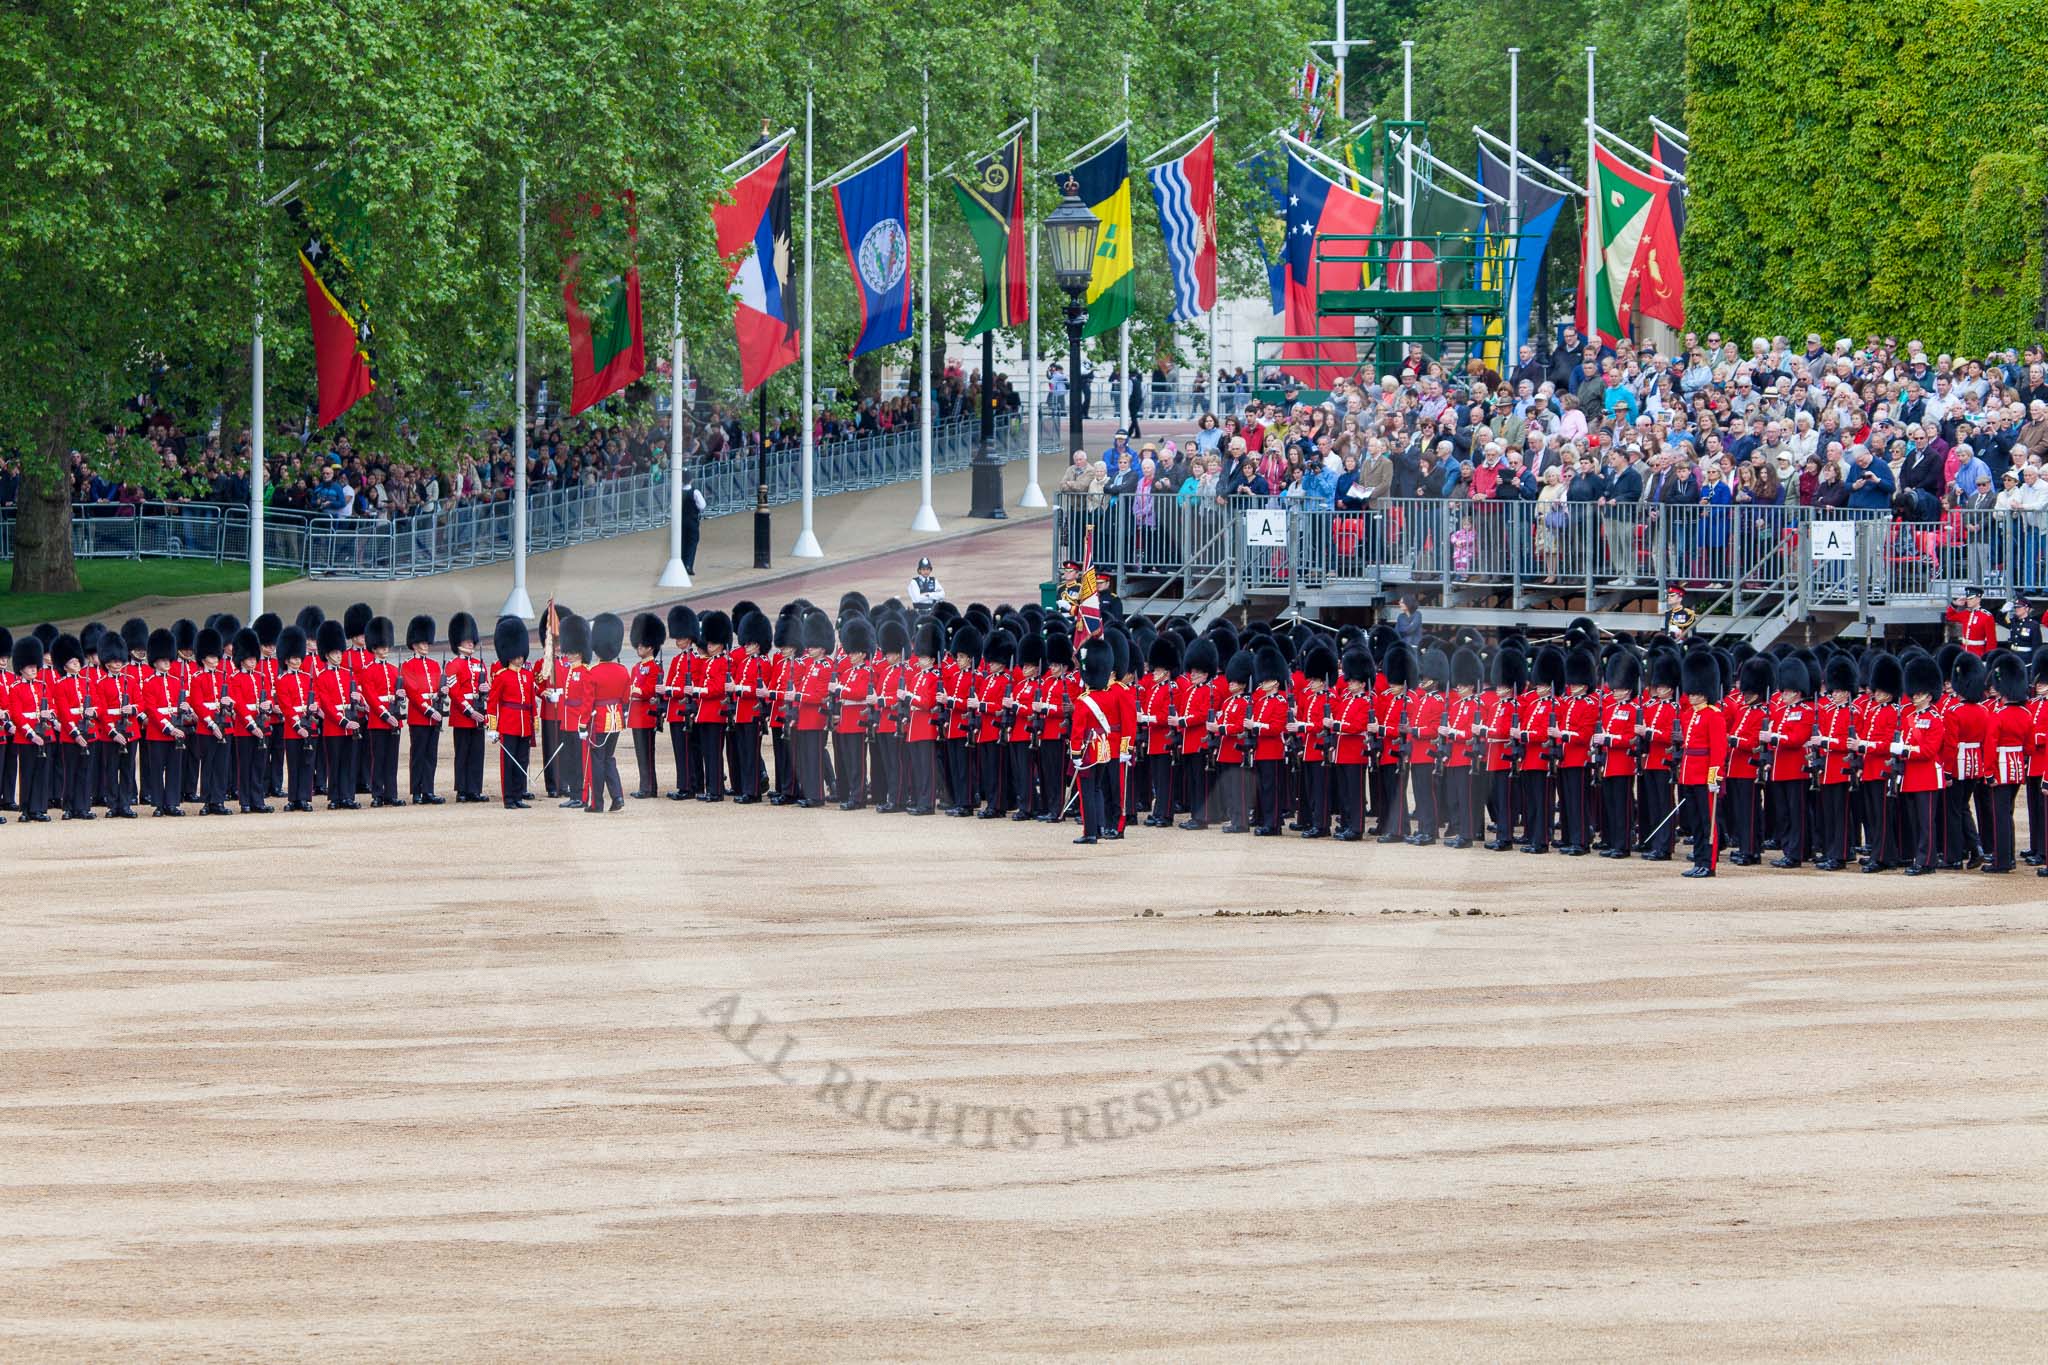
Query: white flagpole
(1123, 331)
(1216, 116)
(926, 519)
(675, 574)
(807, 546)
(517, 603)
(1592, 246)
(256, 373)
(1407, 177)
(1033, 495)
(1514, 327)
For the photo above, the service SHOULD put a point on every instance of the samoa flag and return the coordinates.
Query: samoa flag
(874, 217)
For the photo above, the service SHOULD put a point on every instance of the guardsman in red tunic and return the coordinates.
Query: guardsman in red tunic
(681, 708)
(710, 701)
(2037, 767)
(1702, 755)
(813, 689)
(250, 702)
(511, 709)
(8, 753)
(467, 683)
(269, 628)
(1660, 726)
(1464, 752)
(70, 756)
(2008, 736)
(161, 697)
(1965, 727)
(1311, 726)
(1832, 761)
(425, 684)
(1755, 680)
(1423, 721)
(1389, 799)
(750, 693)
(852, 686)
(33, 721)
(1788, 724)
(1193, 693)
(991, 694)
(1025, 685)
(1055, 705)
(1616, 751)
(1575, 722)
(572, 646)
(1877, 725)
(1918, 746)
(1158, 726)
(1094, 740)
(1232, 744)
(1533, 721)
(643, 708)
(1266, 720)
(300, 711)
(334, 692)
(1352, 716)
(602, 691)
(921, 737)
(779, 676)
(117, 726)
(383, 710)
(206, 696)
(957, 692)
(1499, 720)
(1976, 628)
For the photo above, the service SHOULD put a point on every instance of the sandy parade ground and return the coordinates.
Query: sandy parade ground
(711, 1082)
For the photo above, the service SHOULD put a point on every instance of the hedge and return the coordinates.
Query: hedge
(1866, 167)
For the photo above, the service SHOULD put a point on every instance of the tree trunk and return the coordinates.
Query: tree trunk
(42, 522)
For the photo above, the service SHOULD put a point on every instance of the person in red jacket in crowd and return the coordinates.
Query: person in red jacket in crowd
(1976, 628)
(1192, 699)
(1788, 724)
(2008, 736)
(1702, 751)
(426, 711)
(1921, 780)
(643, 705)
(512, 710)
(1618, 742)
(710, 697)
(1575, 720)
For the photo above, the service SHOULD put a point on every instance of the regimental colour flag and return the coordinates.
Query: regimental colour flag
(1087, 595)
(1316, 207)
(1184, 189)
(605, 346)
(874, 217)
(1105, 187)
(332, 240)
(992, 201)
(1617, 215)
(753, 238)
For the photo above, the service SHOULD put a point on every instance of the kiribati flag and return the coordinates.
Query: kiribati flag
(1184, 189)
(874, 213)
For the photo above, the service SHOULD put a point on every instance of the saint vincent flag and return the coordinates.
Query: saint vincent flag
(605, 351)
(992, 201)
(333, 238)
(1617, 215)
(1105, 186)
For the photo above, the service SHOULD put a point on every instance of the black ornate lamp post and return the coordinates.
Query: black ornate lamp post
(1070, 230)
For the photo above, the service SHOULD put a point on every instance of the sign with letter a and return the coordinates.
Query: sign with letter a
(1265, 526)
(1834, 540)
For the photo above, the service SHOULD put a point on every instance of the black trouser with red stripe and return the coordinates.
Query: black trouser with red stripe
(1023, 777)
(1501, 798)
(1351, 779)
(1959, 832)
(298, 778)
(1833, 839)
(1923, 828)
(1532, 805)
(423, 757)
(1159, 769)
(601, 772)
(1998, 830)
(1315, 785)
(117, 776)
(1194, 786)
(682, 740)
(1615, 813)
(924, 780)
(515, 759)
(75, 762)
(711, 759)
(643, 760)
(163, 766)
(252, 770)
(341, 768)
(1653, 794)
(1788, 798)
(2037, 820)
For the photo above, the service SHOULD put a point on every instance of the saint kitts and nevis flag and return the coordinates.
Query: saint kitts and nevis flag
(992, 201)
(333, 239)
(1631, 248)
(1105, 187)
(605, 348)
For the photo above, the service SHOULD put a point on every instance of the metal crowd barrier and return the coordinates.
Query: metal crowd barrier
(454, 537)
(1748, 559)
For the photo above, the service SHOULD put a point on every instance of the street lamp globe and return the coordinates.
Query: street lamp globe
(1070, 230)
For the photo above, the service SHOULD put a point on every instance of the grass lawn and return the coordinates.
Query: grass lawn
(104, 583)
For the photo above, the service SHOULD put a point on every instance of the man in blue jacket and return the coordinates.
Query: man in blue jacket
(1870, 481)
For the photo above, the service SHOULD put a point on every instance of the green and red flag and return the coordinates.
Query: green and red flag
(1618, 215)
(605, 350)
(992, 201)
(333, 241)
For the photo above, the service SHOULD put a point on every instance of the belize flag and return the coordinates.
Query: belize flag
(753, 236)
(1317, 207)
(874, 213)
(1184, 189)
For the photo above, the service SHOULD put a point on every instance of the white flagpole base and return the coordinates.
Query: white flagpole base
(1034, 496)
(673, 575)
(807, 547)
(518, 604)
(926, 520)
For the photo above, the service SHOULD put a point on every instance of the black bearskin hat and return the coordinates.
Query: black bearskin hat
(331, 638)
(1755, 676)
(2009, 677)
(1467, 669)
(291, 645)
(1923, 677)
(1319, 664)
(1398, 664)
(817, 630)
(1580, 669)
(160, 647)
(1001, 650)
(740, 609)
(1840, 674)
(89, 639)
(380, 635)
(856, 636)
(1433, 665)
(966, 642)
(1163, 653)
(1200, 657)
(715, 628)
(309, 619)
(1700, 676)
(184, 634)
(893, 637)
(269, 628)
(1059, 650)
(648, 631)
(1239, 668)
(756, 630)
(66, 649)
(1269, 665)
(1550, 668)
(1095, 665)
(1625, 672)
(1664, 669)
(926, 646)
(207, 645)
(607, 637)
(28, 653)
(1970, 678)
(1510, 669)
(682, 625)
(1030, 650)
(572, 635)
(227, 623)
(1357, 665)
(462, 630)
(1888, 676)
(248, 646)
(135, 635)
(510, 640)
(1792, 675)
(419, 631)
(356, 619)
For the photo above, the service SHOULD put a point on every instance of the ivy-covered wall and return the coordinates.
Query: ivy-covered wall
(1867, 166)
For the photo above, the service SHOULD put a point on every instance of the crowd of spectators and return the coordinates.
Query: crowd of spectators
(1931, 440)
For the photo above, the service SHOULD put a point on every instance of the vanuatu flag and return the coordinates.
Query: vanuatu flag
(605, 351)
(1105, 186)
(992, 200)
(333, 239)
